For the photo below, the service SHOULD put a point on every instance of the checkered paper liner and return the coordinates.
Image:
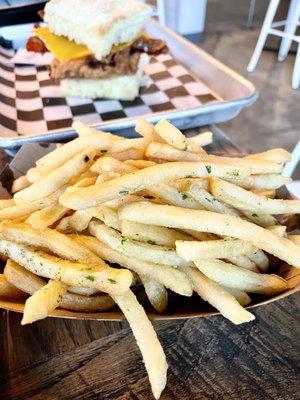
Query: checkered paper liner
(31, 104)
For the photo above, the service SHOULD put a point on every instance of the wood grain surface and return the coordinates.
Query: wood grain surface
(209, 358)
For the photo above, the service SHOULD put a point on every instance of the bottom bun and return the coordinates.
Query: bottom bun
(125, 87)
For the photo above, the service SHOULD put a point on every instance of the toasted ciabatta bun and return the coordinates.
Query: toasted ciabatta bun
(98, 24)
(124, 87)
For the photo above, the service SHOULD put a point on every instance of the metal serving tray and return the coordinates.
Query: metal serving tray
(232, 91)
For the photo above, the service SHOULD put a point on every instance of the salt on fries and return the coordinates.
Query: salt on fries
(166, 214)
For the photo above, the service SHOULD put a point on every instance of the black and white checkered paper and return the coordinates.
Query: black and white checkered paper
(31, 104)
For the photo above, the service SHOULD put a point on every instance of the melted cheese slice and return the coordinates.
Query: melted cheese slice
(65, 50)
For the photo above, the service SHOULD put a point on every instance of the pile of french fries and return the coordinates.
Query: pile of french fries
(102, 214)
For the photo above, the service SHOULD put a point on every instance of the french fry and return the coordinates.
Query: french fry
(249, 201)
(241, 296)
(260, 259)
(193, 251)
(57, 178)
(140, 164)
(145, 129)
(152, 352)
(64, 224)
(110, 164)
(170, 277)
(174, 137)
(43, 302)
(33, 175)
(184, 184)
(20, 183)
(207, 221)
(152, 234)
(9, 290)
(218, 297)
(47, 216)
(107, 215)
(21, 210)
(243, 262)
(172, 196)
(30, 283)
(202, 139)
(274, 155)
(126, 144)
(264, 220)
(49, 239)
(279, 230)
(80, 198)
(131, 153)
(6, 203)
(131, 248)
(270, 193)
(231, 276)
(264, 182)
(166, 152)
(156, 293)
(106, 279)
(295, 239)
(60, 156)
(208, 201)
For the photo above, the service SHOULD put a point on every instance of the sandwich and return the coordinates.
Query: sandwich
(100, 48)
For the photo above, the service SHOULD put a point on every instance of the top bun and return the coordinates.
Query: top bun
(98, 24)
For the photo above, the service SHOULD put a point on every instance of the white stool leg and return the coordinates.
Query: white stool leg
(296, 73)
(161, 11)
(290, 29)
(263, 34)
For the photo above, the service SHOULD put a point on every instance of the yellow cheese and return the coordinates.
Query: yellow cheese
(60, 46)
(65, 50)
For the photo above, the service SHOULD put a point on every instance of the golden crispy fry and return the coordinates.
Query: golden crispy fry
(166, 152)
(140, 164)
(50, 239)
(207, 221)
(249, 201)
(152, 234)
(232, 276)
(145, 129)
(60, 156)
(156, 293)
(132, 248)
(170, 277)
(30, 283)
(20, 183)
(263, 182)
(5, 203)
(243, 262)
(21, 210)
(202, 139)
(193, 251)
(47, 216)
(275, 155)
(43, 302)
(9, 290)
(57, 178)
(106, 279)
(218, 297)
(174, 137)
(110, 164)
(241, 296)
(80, 198)
(173, 196)
(152, 352)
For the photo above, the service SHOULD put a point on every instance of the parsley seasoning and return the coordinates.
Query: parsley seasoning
(90, 278)
(123, 192)
(151, 241)
(184, 196)
(185, 147)
(112, 281)
(254, 215)
(208, 168)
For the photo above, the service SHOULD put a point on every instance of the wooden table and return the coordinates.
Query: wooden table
(209, 358)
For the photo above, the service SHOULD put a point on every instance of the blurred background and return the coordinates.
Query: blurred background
(229, 29)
